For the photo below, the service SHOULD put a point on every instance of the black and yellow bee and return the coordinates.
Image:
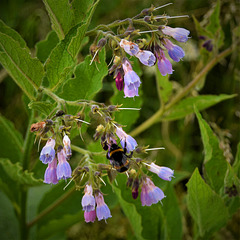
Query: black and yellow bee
(118, 157)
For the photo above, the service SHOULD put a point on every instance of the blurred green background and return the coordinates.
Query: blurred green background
(182, 140)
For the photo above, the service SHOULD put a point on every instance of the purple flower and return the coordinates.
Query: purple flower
(131, 80)
(90, 216)
(180, 34)
(129, 47)
(146, 57)
(126, 139)
(175, 52)
(67, 146)
(64, 170)
(50, 175)
(150, 194)
(163, 172)
(164, 65)
(119, 81)
(102, 209)
(48, 153)
(208, 45)
(88, 200)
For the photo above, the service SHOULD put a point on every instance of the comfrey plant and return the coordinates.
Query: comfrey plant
(88, 156)
(120, 148)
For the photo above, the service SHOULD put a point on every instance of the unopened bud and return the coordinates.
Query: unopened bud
(129, 182)
(102, 42)
(135, 187)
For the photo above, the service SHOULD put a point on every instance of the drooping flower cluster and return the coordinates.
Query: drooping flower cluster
(118, 158)
(94, 206)
(58, 166)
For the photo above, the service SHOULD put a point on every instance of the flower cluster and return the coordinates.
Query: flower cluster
(58, 166)
(94, 206)
(119, 157)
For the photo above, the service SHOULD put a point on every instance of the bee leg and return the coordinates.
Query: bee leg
(125, 147)
(107, 156)
(130, 155)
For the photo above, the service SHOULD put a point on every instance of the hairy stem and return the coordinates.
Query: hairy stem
(157, 116)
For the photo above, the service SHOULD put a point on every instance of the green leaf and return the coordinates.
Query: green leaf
(16, 173)
(201, 30)
(87, 81)
(60, 224)
(215, 163)
(236, 164)
(11, 141)
(61, 16)
(172, 215)
(12, 33)
(62, 59)
(45, 47)
(27, 72)
(126, 117)
(130, 211)
(43, 107)
(8, 220)
(185, 107)
(214, 25)
(206, 207)
(81, 9)
(165, 86)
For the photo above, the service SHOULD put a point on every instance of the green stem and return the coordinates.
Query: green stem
(157, 116)
(51, 207)
(80, 150)
(24, 191)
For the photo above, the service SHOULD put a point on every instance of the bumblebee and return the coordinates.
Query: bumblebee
(118, 157)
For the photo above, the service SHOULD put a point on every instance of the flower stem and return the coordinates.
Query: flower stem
(157, 116)
(28, 143)
(51, 207)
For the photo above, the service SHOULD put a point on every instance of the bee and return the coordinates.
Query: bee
(37, 126)
(42, 127)
(118, 157)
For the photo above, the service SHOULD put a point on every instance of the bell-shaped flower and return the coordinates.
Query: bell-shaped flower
(179, 34)
(102, 210)
(164, 65)
(48, 153)
(146, 57)
(175, 52)
(90, 216)
(64, 170)
(67, 146)
(50, 175)
(88, 200)
(163, 172)
(129, 47)
(131, 80)
(126, 140)
(150, 194)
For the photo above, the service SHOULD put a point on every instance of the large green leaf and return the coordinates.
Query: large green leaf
(11, 141)
(12, 33)
(16, 173)
(186, 106)
(87, 80)
(26, 71)
(214, 161)
(61, 16)
(8, 220)
(206, 207)
(45, 46)
(63, 57)
(130, 211)
(172, 215)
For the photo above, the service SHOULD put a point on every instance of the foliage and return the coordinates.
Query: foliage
(46, 67)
